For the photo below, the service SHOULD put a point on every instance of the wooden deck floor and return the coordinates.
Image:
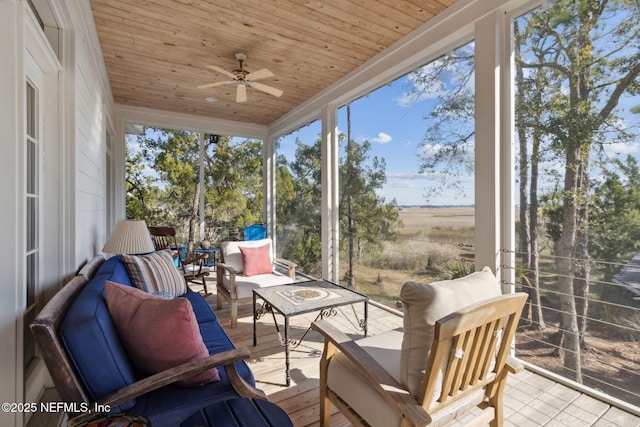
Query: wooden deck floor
(530, 399)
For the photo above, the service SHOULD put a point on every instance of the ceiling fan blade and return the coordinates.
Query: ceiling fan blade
(214, 84)
(260, 74)
(268, 89)
(241, 94)
(222, 70)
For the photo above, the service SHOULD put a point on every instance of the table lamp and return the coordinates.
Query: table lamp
(129, 237)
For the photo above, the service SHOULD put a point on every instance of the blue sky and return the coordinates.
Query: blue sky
(395, 126)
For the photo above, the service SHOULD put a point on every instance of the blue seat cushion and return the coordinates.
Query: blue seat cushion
(91, 339)
(201, 308)
(169, 405)
(240, 412)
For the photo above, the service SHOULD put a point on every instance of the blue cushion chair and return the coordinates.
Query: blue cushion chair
(255, 232)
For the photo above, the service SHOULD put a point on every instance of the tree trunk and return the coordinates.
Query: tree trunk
(351, 237)
(534, 268)
(581, 269)
(193, 217)
(528, 244)
(350, 225)
(523, 166)
(564, 264)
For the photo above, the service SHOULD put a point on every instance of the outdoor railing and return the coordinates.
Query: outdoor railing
(610, 341)
(609, 333)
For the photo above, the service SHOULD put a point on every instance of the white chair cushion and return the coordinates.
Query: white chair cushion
(423, 305)
(347, 383)
(246, 285)
(231, 251)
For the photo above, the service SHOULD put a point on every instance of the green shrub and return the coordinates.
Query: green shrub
(455, 268)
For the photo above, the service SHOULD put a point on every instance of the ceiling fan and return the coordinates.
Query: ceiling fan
(242, 78)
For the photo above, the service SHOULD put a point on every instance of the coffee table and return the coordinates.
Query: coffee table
(301, 298)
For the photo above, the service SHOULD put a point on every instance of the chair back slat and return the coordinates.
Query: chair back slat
(481, 365)
(163, 237)
(469, 347)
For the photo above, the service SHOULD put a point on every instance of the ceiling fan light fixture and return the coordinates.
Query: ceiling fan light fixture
(242, 78)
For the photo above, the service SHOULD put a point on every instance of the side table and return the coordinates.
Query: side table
(300, 298)
(211, 260)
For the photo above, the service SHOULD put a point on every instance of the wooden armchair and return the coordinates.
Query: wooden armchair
(193, 268)
(235, 283)
(465, 366)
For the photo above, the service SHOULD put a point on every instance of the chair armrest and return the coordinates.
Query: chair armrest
(513, 365)
(387, 386)
(195, 259)
(177, 373)
(290, 265)
(286, 262)
(227, 267)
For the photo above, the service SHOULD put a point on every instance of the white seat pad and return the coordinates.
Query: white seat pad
(347, 383)
(246, 284)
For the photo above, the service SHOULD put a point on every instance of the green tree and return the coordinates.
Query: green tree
(579, 48)
(529, 111)
(234, 194)
(173, 155)
(141, 193)
(577, 59)
(365, 218)
(164, 182)
(302, 220)
(617, 196)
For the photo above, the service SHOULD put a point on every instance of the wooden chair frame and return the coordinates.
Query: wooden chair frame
(474, 345)
(222, 293)
(46, 329)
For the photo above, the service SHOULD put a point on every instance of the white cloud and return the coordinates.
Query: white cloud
(382, 138)
(402, 184)
(621, 148)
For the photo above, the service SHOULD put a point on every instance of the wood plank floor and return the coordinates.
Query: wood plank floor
(530, 399)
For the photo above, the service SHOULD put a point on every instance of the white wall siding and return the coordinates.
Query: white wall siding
(10, 273)
(73, 162)
(91, 100)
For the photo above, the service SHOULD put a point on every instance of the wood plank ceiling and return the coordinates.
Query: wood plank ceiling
(157, 51)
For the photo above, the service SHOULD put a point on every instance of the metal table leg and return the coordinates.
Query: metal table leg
(366, 318)
(286, 350)
(255, 316)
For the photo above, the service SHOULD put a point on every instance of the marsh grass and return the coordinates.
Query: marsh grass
(416, 254)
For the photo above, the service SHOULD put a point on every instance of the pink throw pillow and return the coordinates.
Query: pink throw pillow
(157, 333)
(256, 260)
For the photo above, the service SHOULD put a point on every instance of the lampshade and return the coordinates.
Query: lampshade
(129, 237)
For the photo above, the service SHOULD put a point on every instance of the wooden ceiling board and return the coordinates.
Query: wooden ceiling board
(156, 52)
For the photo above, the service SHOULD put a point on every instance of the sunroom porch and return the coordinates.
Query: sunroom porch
(90, 134)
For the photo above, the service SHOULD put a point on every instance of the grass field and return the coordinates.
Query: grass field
(429, 237)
